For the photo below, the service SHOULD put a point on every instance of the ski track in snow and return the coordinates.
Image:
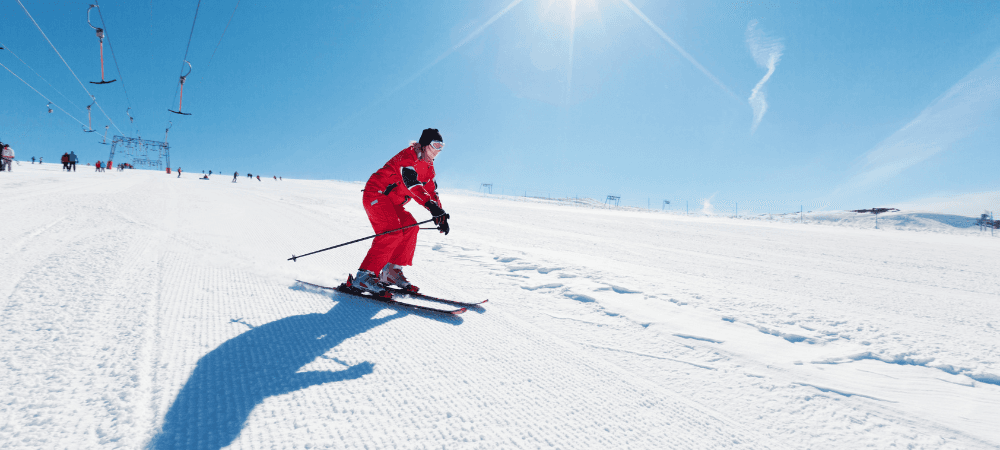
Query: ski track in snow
(144, 311)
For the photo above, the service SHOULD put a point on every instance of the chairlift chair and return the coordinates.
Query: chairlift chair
(105, 140)
(89, 123)
(49, 106)
(180, 105)
(100, 35)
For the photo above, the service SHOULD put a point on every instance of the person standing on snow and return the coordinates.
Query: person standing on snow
(65, 161)
(73, 160)
(408, 175)
(178, 172)
(235, 174)
(6, 157)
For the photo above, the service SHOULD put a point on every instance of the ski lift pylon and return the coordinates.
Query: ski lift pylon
(180, 105)
(100, 35)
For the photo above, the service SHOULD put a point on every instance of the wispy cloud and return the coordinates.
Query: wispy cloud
(954, 115)
(766, 51)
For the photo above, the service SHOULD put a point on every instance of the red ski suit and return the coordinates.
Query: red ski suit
(404, 177)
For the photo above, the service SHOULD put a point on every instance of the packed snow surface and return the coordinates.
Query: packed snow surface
(142, 310)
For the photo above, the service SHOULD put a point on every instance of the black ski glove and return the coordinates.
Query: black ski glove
(435, 210)
(440, 217)
(442, 223)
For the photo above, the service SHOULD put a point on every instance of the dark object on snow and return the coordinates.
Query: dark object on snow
(986, 221)
(875, 211)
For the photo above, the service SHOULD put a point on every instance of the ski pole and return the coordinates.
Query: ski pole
(293, 258)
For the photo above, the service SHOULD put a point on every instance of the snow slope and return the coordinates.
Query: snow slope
(143, 310)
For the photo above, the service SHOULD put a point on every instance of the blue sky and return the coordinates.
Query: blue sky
(767, 104)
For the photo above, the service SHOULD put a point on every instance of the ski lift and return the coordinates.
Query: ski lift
(130, 118)
(49, 106)
(100, 35)
(180, 106)
(166, 133)
(89, 124)
(105, 140)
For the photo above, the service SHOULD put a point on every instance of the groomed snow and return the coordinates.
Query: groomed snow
(143, 310)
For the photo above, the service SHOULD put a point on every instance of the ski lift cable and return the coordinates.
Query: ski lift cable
(186, 49)
(220, 38)
(43, 95)
(113, 57)
(68, 67)
(4, 47)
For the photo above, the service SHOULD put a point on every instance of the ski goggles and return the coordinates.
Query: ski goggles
(437, 145)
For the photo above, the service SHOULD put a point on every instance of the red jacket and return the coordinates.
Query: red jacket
(65, 158)
(404, 177)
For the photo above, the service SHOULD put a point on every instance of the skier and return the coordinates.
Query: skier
(178, 172)
(65, 161)
(32, 160)
(235, 174)
(97, 166)
(73, 160)
(408, 175)
(258, 177)
(6, 156)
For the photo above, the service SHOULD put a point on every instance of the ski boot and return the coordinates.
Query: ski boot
(366, 281)
(393, 274)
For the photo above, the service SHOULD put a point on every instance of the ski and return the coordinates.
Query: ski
(345, 290)
(398, 291)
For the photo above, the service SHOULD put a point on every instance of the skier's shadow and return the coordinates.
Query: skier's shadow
(231, 380)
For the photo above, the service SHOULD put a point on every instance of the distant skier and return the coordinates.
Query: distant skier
(409, 174)
(249, 175)
(275, 177)
(6, 157)
(258, 177)
(32, 160)
(178, 172)
(65, 161)
(97, 166)
(73, 160)
(235, 174)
